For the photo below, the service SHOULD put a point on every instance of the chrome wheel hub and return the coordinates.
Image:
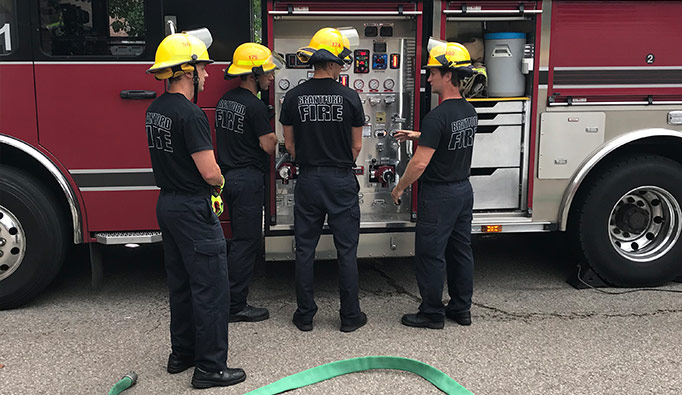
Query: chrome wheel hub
(12, 243)
(645, 223)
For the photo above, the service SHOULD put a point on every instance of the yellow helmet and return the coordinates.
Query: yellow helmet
(253, 58)
(448, 55)
(329, 45)
(177, 54)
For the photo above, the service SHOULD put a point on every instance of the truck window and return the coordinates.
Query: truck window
(228, 22)
(7, 27)
(93, 28)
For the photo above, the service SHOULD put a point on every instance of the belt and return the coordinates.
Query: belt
(249, 167)
(445, 183)
(321, 169)
(186, 193)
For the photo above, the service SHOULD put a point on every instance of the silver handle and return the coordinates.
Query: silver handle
(375, 13)
(285, 157)
(447, 12)
(616, 103)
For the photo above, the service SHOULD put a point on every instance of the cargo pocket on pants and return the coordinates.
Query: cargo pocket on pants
(427, 217)
(210, 259)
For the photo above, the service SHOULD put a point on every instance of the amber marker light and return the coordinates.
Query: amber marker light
(491, 228)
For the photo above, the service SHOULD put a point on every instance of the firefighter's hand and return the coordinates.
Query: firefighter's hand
(403, 135)
(396, 193)
(217, 190)
(217, 204)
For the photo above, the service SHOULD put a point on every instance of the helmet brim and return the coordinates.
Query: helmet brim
(322, 55)
(166, 65)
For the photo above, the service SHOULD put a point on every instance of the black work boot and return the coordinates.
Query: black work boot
(203, 379)
(177, 364)
(420, 320)
(350, 326)
(250, 314)
(462, 317)
(301, 324)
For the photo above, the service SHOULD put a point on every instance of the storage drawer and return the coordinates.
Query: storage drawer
(497, 146)
(499, 190)
(485, 119)
(487, 106)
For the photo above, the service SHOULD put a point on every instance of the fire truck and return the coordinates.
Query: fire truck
(590, 143)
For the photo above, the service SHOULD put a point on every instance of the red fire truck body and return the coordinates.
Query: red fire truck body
(590, 145)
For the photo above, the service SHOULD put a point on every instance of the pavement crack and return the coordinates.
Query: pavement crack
(510, 316)
(393, 283)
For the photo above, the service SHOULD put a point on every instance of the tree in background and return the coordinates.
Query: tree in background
(127, 16)
(257, 21)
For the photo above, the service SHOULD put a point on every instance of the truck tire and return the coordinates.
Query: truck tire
(628, 222)
(32, 240)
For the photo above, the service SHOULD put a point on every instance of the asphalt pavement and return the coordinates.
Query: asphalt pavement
(532, 332)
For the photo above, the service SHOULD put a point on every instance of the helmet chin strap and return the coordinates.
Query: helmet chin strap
(258, 86)
(195, 79)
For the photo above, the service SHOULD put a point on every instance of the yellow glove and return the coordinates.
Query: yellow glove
(217, 204)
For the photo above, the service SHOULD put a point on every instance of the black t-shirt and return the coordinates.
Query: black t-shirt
(449, 129)
(240, 119)
(177, 128)
(322, 112)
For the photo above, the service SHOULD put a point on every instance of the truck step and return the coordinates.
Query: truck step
(144, 237)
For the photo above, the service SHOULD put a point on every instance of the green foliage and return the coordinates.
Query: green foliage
(128, 16)
(257, 21)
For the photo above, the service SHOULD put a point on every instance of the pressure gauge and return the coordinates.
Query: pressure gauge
(284, 84)
(374, 84)
(358, 84)
(302, 80)
(389, 84)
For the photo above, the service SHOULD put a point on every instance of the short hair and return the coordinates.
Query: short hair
(455, 75)
(322, 65)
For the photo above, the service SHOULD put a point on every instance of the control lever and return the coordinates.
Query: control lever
(374, 100)
(396, 118)
(284, 158)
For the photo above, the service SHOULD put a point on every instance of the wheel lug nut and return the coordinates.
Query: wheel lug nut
(3, 242)
(1, 253)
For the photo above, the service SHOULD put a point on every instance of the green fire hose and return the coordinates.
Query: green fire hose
(124, 383)
(333, 369)
(327, 371)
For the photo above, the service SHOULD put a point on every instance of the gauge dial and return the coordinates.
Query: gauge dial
(358, 84)
(374, 84)
(284, 84)
(389, 84)
(302, 80)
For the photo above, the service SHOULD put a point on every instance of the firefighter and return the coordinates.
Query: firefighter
(245, 141)
(186, 171)
(323, 122)
(442, 163)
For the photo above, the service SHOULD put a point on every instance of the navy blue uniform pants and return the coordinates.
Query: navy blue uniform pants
(196, 266)
(244, 193)
(443, 245)
(331, 192)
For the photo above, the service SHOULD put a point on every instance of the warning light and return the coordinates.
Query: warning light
(343, 79)
(361, 61)
(491, 228)
(395, 60)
